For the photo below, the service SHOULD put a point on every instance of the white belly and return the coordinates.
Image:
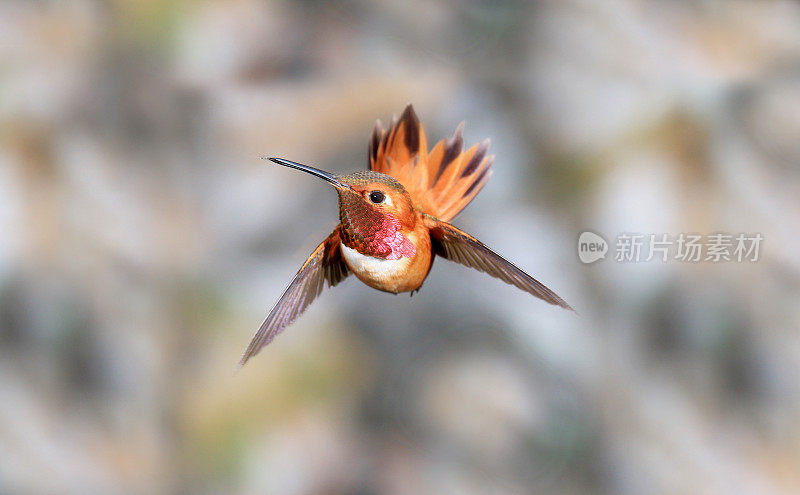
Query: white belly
(373, 268)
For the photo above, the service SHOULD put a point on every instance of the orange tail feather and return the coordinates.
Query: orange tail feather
(442, 182)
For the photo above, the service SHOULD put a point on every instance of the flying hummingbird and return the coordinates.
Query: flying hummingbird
(393, 222)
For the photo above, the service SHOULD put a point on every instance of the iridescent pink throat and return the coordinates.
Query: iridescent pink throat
(399, 245)
(374, 233)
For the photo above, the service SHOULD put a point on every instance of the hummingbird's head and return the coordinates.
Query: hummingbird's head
(375, 210)
(377, 192)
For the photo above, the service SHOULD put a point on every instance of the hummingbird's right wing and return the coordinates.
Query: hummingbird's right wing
(324, 267)
(456, 245)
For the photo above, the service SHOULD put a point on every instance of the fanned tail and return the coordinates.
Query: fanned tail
(441, 182)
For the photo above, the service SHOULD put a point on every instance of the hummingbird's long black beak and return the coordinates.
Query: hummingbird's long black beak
(311, 170)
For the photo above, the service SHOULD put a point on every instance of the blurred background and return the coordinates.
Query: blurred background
(143, 242)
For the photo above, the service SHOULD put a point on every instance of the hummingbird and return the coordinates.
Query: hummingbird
(393, 222)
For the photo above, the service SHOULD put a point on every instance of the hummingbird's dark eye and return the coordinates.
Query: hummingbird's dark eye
(376, 197)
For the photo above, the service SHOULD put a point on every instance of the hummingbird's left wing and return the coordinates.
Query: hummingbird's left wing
(456, 245)
(324, 267)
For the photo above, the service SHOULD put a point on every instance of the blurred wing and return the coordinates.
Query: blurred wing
(325, 265)
(441, 182)
(456, 245)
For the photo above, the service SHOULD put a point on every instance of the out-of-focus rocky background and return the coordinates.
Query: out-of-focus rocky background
(143, 241)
